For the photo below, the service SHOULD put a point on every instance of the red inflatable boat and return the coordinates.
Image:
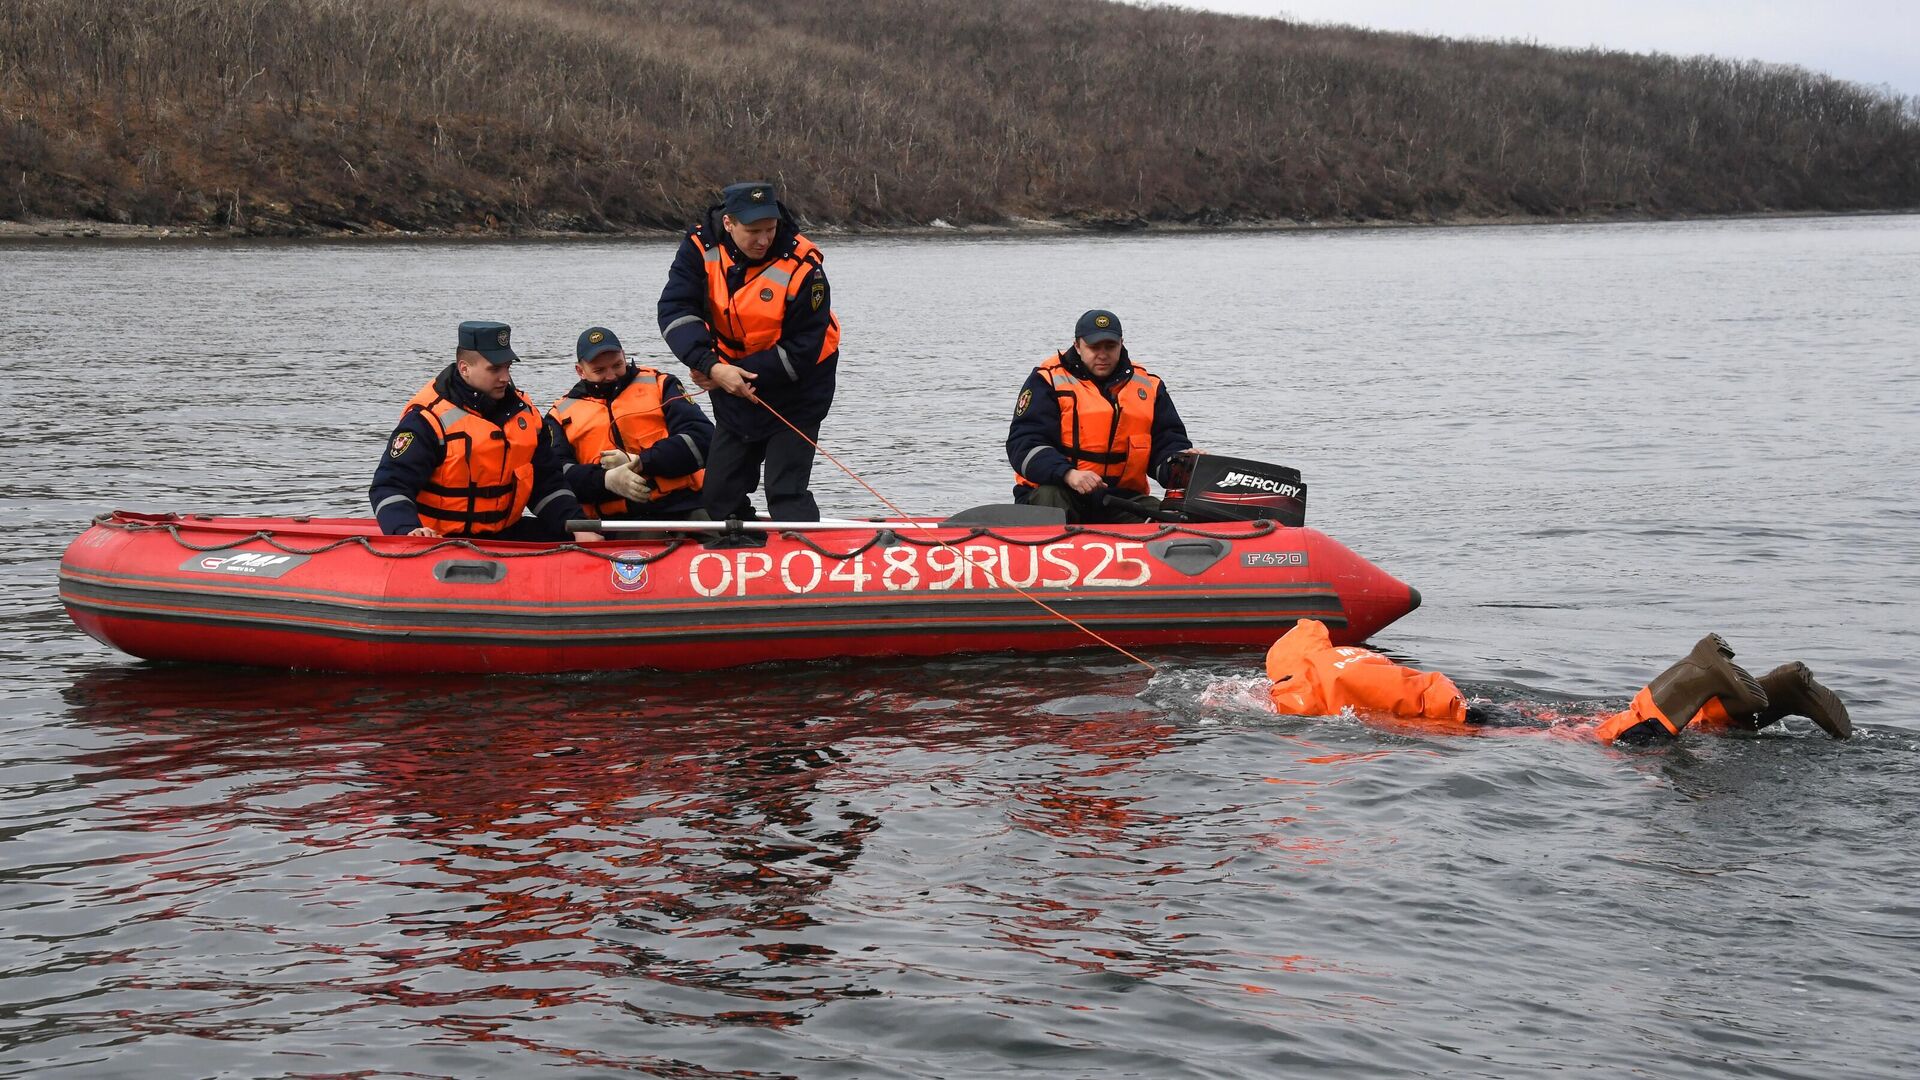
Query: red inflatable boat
(334, 594)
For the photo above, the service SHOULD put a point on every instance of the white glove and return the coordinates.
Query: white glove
(613, 459)
(628, 484)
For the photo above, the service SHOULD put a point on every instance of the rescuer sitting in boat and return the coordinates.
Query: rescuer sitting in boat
(1313, 677)
(746, 307)
(471, 454)
(1091, 426)
(634, 440)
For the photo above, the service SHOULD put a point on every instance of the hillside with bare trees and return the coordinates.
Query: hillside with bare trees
(290, 117)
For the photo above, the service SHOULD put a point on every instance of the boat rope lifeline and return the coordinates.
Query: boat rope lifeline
(172, 525)
(265, 536)
(888, 503)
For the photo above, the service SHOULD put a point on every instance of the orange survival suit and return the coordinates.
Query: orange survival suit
(1712, 716)
(1313, 677)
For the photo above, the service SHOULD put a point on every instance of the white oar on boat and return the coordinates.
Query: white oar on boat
(616, 525)
(992, 514)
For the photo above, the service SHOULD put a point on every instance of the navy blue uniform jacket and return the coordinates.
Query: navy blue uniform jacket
(403, 475)
(1034, 448)
(682, 453)
(800, 390)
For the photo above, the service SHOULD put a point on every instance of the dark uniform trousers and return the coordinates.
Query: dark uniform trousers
(733, 471)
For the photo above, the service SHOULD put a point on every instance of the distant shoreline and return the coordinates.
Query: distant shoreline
(85, 232)
(454, 120)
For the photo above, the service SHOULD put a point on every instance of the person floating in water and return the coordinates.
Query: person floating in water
(1313, 677)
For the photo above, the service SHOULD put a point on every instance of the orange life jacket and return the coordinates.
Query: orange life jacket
(1712, 716)
(632, 421)
(1111, 438)
(486, 473)
(1311, 677)
(749, 320)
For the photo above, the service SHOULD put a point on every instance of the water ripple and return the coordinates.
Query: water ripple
(1000, 865)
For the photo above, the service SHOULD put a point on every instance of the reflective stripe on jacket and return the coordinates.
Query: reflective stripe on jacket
(749, 320)
(1312, 677)
(1112, 438)
(632, 421)
(486, 473)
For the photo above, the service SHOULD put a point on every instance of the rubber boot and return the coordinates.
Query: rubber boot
(1792, 691)
(1706, 672)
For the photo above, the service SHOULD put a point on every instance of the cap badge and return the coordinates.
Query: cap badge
(759, 194)
(596, 338)
(1101, 321)
(503, 339)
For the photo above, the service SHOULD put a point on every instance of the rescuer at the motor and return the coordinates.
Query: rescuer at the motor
(746, 307)
(1091, 426)
(471, 454)
(635, 440)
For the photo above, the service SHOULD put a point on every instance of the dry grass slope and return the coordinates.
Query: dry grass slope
(290, 116)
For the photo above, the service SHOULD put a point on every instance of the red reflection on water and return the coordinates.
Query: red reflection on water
(540, 842)
(1070, 805)
(638, 844)
(641, 844)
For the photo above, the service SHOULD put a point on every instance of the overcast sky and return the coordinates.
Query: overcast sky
(1867, 41)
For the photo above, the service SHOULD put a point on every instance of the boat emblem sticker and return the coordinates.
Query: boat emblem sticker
(244, 563)
(629, 573)
(1273, 558)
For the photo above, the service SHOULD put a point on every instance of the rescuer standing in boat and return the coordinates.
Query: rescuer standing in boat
(634, 440)
(471, 454)
(746, 307)
(1313, 677)
(1090, 427)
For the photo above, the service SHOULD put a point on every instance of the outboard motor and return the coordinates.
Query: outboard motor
(1235, 489)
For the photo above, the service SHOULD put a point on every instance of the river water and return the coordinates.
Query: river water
(1586, 446)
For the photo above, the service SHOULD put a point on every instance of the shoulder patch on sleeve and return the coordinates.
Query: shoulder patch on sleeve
(819, 294)
(402, 440)
(1026, 399)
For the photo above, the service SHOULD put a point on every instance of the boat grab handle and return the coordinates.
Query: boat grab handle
(470, 571)
(1190, 557)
